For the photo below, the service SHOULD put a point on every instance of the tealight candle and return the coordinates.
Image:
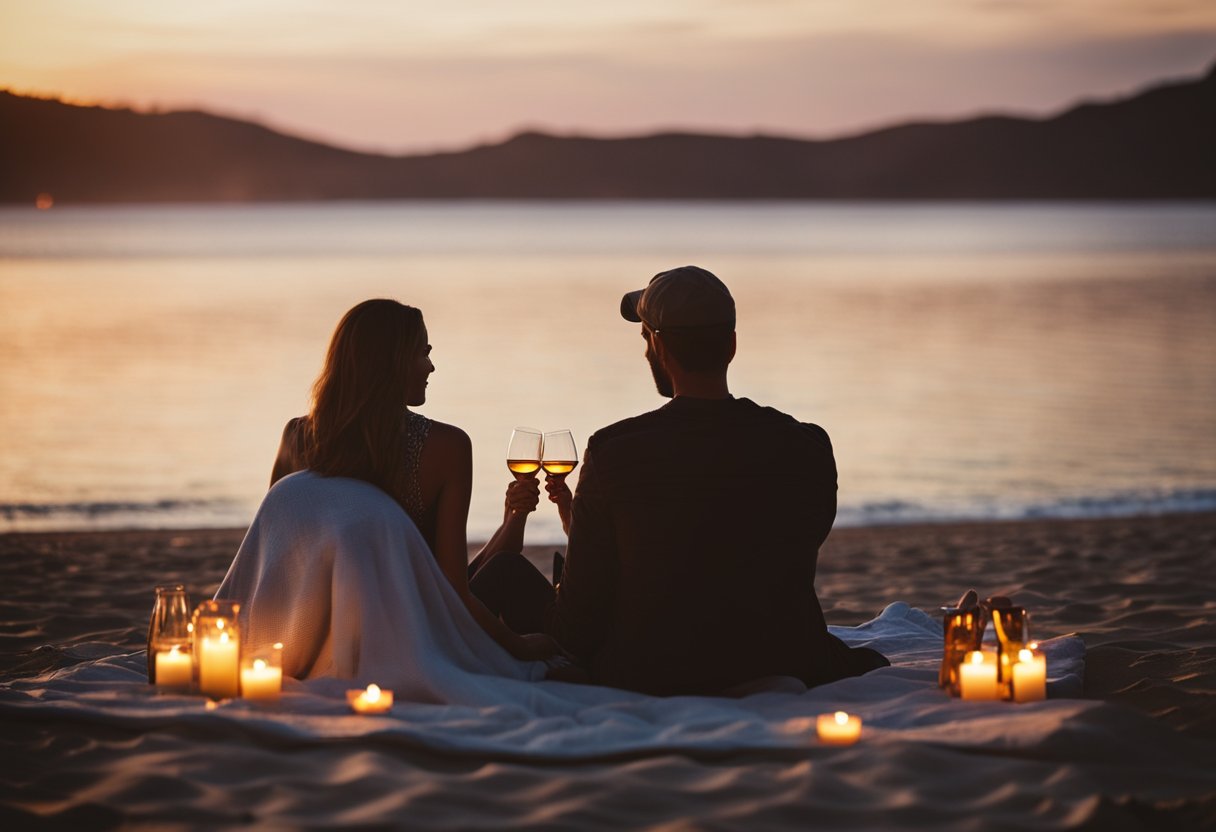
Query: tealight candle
(977, 676)
(174, 668)
(838, 728)
(1030, 677)
(261, 681)
(370, 701)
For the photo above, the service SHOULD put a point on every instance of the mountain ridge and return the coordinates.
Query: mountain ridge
(1155, 144)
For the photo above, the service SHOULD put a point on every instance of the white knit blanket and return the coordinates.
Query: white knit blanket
(336, 571)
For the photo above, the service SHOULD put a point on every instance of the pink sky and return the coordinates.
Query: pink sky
(402, 75)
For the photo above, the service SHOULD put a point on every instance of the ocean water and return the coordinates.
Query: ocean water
(970, 361)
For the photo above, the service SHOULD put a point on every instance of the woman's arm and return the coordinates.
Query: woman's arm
(522, 498)
(453, 452)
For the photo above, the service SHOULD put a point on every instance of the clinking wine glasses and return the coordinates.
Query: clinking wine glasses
(529, 450)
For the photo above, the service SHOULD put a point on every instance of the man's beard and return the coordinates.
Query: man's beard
(662, 381)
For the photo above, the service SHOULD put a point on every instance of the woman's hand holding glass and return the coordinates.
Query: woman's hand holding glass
(523, 496)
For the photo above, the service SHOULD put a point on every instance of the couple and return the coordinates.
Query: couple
(693, 535)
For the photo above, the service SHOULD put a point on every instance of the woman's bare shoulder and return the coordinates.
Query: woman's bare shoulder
(448, 438)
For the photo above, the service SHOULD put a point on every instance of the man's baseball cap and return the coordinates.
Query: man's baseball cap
(683, 298)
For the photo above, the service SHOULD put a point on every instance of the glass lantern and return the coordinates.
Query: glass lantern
(217, 648)
(963, 631)
(169, 627)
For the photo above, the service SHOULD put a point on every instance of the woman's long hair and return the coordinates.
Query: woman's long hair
(358, 401)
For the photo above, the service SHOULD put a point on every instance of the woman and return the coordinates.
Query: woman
(360, 427)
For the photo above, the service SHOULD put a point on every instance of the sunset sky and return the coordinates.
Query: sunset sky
(402, 75)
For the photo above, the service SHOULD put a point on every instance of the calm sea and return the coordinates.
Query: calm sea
(969, 360)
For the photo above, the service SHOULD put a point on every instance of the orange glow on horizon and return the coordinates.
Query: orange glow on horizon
(44, 202)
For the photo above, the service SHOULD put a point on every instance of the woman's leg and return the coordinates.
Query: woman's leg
(514, 590)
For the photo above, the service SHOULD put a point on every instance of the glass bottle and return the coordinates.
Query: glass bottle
(169, 625)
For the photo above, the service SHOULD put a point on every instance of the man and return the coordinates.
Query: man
(696, 528)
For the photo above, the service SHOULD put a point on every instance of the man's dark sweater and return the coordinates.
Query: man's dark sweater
(693, 543)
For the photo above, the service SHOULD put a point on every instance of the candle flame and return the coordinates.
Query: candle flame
(842, 718)
(173, 650)
(190, 628)
(976, 657)
(259, 665)
(373, 693)
(223, 638)
(1034, 645)
(1025, 655)
(219, 623)
(278, 645)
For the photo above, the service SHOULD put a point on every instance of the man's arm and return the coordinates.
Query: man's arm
(823, 514)
(580, 616)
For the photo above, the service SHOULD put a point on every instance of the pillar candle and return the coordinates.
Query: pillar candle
(261, 681)
(838, 728)
(217, 667)
(174, 669)
(977, 676)
(1030, 677)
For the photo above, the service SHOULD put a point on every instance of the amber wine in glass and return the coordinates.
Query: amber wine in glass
(523, 452)
(559, 455)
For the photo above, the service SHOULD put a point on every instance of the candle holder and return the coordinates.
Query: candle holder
(963, 630)
(217, 648)
(1010, 625)
(169, 625)
(262, 674)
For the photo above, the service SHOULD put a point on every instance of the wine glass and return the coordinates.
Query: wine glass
(559, 454)
(523, 452)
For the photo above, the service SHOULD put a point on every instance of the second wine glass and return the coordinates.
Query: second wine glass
(559, 454)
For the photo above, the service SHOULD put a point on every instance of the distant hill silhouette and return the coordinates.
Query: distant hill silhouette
(1159, 144)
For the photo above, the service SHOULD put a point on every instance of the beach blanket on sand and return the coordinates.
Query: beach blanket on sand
(338, 573)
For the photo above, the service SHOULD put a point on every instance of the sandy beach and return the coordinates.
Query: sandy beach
(1141, 593)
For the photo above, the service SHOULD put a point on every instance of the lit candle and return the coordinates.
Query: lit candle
(1030, 676)
(174, 669)
(977, 676)
(370, 701)
(261, 681)
(838, 728)
(217, 667)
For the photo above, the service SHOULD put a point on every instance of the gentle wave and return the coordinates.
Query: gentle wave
(108, 515)
(1126, 504)
(230, 513)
